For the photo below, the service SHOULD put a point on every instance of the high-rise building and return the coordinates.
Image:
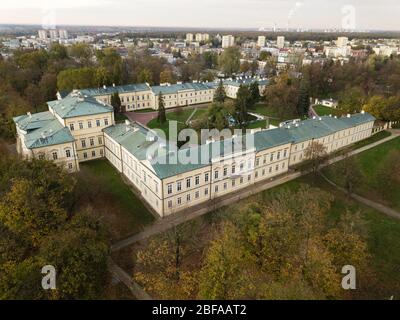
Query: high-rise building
(42, 34)
(261, 41)
(189, 37)
(228, 41)
(63, 34)
(342, 42)
(202, 37)
(280, 42)
(53, 34)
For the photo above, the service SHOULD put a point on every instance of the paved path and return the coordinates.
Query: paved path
(377, 206)
(126, 279)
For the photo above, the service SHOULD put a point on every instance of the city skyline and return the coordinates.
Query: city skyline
(306, 14)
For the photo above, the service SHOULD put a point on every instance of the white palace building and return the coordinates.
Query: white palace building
(81, 127)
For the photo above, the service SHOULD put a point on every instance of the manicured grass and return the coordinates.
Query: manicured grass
(264, 110)
(375, 138)
(180, 116)
(369, 161)
(131, 214)
(326, 111)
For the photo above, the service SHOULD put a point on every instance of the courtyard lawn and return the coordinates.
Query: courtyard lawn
(369, 161)
(326, 111)
(126, 213)
(181, 115)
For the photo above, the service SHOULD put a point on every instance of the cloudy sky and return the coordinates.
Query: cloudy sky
(362, 14)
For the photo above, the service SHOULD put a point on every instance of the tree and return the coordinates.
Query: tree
(255, 93)
(222, 276)
(386, 109)
(349, 170)
(76, 79)
(264, 55)
(242, 102)
(315, 155)
(352, 100)
(145, 76)
(79, 253)
(303, 104)
(161, 118)
(282, 97)
(220, 94)
(116, 102)
(218, 116)
(166, 76)
(159, 267)
(229, 61)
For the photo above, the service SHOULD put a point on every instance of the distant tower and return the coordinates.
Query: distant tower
(42, 34)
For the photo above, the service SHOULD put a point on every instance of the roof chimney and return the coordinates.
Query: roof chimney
(104, 86)
(29, 114)
(348, 115)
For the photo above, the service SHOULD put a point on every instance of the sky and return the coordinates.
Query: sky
(315, 14)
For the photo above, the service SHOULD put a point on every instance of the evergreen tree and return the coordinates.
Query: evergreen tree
(255, 92)
(220, 94)
(243, 99)
(116, 102)
(162, 118)
(303, 104)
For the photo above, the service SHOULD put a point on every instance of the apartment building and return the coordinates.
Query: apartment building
(261, 41)
(189, 37)
(280, 42)
(228, 41)
(207, 172)
(69, 133)
(202, 37)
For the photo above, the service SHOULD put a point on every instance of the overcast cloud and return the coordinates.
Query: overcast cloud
(369, 14)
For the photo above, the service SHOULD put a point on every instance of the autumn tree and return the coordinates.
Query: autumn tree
(229, 61)
(315, 155)
(166, 76)
(222, 275)
(349, 171)
(159, 268)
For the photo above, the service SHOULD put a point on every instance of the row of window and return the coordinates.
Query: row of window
(133, 98)
(93, 154)
(55, 156)
(188, 183)
(272, 157)
(89, 124)
(187, 199)
(91, 142)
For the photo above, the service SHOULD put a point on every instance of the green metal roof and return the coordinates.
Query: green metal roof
(33, 121)
(43, 129)
(175, 88)
(165, 164)
(93, 92)
(77, 105)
